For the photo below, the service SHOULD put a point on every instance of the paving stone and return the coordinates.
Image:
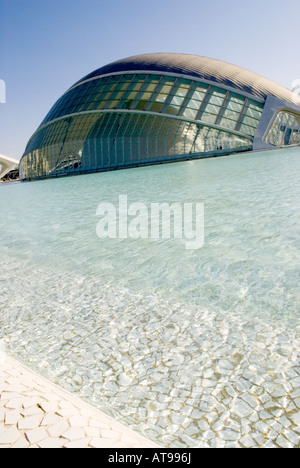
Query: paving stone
(31, 419)
(15, 403)
(82, 443)
(58, 429)
(78, 421)
(51, 442)
(98, 442)
(21, 443)
(33, 410)
(36, 435)
(30, 422)
(74, 433)
(12, 417)
(50, 419)
(110, 434)
(9, 436)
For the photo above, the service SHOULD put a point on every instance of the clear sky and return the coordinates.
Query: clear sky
(47, 45)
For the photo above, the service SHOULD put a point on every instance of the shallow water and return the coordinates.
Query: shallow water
(160, 336)
(250, 258)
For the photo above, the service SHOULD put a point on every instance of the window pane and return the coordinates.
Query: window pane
(253, 113)
(172, 109)
(181, 92)
(198, 95)
(212, 109)
(177, 100)
(227, 123)
(194, 104)
(190, 113)
(161, 97)
(216, 100)
(250, 121)
(247, 130)
(156, 107)
(166, 89)
(210, 118)
(229, 114)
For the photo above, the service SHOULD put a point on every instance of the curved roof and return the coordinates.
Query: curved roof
(199, 67)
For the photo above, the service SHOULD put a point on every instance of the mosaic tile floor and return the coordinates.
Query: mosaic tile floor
(37, 414)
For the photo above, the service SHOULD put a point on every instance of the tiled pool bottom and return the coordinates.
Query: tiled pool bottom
(181, 376)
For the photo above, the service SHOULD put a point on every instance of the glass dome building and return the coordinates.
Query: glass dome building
(157, 108)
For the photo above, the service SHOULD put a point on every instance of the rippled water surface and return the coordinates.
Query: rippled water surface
(145, 328)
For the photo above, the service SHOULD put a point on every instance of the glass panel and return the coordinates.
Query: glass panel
(198, 95)
(132, 95)
(285, 130)
(151, 87)
(229, 114)
(185, 84)
(212, 109)
(122, 86)
(166, 89)
(235, 103)
(177, 100)
(190, 113)
(210, 118)
(249, 121)
(161, 97)
(146, 96)
(247, 130)
(224, 122)
(137, 86)
(201, 88)
(253, 113)
(217, 100)
(182, 91)
(194, 104)
(172, 109)
(156, 107)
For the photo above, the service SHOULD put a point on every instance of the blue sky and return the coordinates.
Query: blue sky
(47, 45)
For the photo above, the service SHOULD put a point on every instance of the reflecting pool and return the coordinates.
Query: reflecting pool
(189, 347)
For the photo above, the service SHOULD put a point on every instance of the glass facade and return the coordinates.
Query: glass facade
(164, 95)
(285, 130)
(139, 118)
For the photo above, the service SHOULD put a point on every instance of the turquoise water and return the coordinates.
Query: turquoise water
(192, 348)
(249, 263)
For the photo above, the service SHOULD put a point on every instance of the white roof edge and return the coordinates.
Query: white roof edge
(8, 159)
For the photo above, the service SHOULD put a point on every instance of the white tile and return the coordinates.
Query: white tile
(98, 442)
(58, 428)
(82, 443)
(36, 435)
(78, 421)
(21, 443)
(74, 433)
(51, 442)
(9, 436)
(30, 422)
(110, 434)
(50, 419)
(12, 417)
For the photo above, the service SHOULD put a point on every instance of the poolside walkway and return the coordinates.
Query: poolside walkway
(34, 413)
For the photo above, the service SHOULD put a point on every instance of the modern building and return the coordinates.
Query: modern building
(7, 165)
(157, 108)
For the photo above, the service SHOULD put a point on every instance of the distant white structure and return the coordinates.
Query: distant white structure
(6, 165)
(2, 92)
